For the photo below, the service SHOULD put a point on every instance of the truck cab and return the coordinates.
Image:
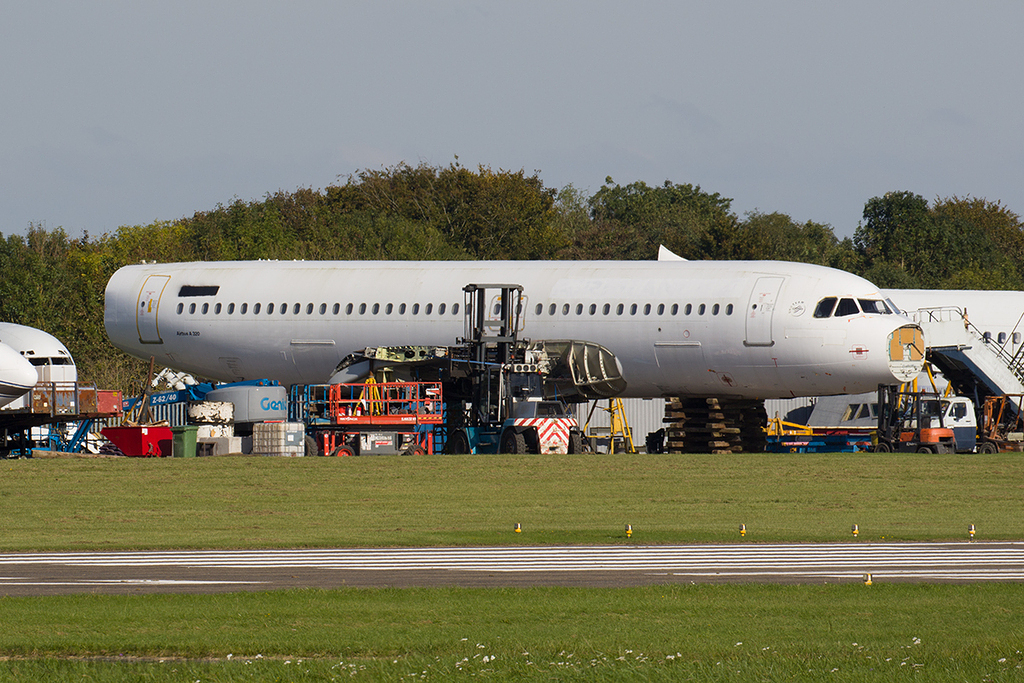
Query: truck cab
(958, 414)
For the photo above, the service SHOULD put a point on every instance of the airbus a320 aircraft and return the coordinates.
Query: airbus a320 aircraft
(742, 329)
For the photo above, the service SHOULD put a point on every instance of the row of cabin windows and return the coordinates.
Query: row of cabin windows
(1001, 337)
(297, 308)
(606, 309)
(428, 309)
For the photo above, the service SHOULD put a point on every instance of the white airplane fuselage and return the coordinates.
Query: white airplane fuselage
(678, 328)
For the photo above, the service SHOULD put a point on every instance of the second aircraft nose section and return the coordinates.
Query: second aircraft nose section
(906, 352)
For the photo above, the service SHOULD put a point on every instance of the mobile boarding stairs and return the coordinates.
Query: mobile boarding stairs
(973, 362)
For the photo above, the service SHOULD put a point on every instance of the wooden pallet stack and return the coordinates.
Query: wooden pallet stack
(715, 425)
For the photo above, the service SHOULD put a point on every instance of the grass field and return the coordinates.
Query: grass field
(450, 500)
(821, 632)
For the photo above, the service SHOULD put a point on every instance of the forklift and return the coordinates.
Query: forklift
(911, 422)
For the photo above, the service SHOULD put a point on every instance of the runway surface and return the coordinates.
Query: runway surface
(595, 566)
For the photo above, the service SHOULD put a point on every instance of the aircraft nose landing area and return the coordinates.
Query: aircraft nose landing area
(592, 566)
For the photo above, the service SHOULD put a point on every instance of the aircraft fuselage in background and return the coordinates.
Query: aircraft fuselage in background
(748, 329)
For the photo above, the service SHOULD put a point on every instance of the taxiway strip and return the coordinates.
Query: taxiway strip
(219, 571)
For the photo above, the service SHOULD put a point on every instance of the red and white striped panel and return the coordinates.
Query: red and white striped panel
(552, 432)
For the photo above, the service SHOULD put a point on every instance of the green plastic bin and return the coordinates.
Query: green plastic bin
(183, 444)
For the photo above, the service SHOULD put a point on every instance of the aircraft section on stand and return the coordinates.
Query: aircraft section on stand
(46, 407)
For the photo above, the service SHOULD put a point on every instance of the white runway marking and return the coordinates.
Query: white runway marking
(909, 561)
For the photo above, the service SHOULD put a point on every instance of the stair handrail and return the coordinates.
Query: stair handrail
(1014, 362)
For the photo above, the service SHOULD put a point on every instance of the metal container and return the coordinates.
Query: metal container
(141, 442)
(254, 404)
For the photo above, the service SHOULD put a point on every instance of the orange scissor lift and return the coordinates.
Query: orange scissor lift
(380, 418)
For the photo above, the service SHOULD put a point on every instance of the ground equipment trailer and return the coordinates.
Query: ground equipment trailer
(911, 421)
(1002, 424)
(370, 418)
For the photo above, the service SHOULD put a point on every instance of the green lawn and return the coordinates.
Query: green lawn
(476, 500)
(678, 632)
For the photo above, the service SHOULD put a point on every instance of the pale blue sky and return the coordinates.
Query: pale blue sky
(122, 113)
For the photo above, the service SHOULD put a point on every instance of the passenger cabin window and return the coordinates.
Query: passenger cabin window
(440, 309)
(270, 308)
(846, 307)
(825, 306)
(539, 309)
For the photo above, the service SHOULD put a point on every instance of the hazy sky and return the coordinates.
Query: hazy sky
(122, 113)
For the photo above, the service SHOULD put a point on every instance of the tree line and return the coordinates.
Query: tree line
(56, 283)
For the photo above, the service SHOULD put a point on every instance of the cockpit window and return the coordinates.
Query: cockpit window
(892, 306)
(874, 306)
(825, 306)
(846, 307)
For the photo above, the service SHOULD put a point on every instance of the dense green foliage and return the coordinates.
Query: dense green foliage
(56, 283)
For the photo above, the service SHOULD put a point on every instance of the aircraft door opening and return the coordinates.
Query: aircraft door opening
(148, 307)
(759, 311)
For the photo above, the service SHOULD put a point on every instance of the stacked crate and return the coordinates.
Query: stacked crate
(715, 425)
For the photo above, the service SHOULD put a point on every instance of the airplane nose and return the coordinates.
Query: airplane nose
(906, 352)
(15, 370)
